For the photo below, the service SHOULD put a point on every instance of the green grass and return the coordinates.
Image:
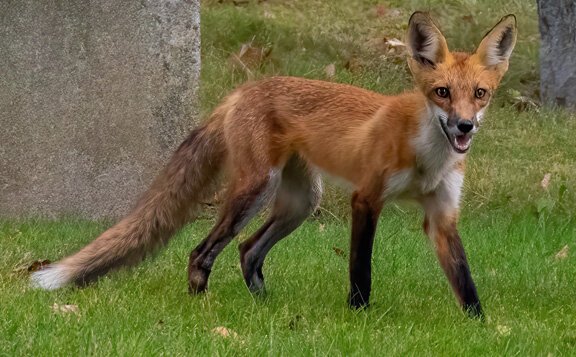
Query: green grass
(512, 227)
(527, 294)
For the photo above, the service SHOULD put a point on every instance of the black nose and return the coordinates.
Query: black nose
(465, 125)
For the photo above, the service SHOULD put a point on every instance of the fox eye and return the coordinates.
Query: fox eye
(442, 92)
(480, 93)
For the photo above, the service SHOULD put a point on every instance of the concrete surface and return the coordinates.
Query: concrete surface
(94, 96)
(558, 52)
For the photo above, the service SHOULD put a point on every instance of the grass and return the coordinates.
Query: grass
(512, 227)
(527, 294)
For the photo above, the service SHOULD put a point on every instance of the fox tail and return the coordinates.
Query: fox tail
(189, 177)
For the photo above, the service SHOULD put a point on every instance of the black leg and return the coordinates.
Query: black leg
(297, 197)
(240, 208)
(364, 220)
(453, 260)
(442, 230)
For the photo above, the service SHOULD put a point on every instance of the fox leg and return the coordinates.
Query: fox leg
(297, 197)
(242, 204)
(440, 225)
(365, 212)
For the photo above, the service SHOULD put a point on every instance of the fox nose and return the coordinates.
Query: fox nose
(465, 126)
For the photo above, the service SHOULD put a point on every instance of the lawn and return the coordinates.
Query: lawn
(527, 292)
(517, 222)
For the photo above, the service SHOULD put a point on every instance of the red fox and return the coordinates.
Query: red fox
(274, 138)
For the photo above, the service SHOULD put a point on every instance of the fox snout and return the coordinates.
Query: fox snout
(459, 125)
(459, 132)
(464, 125)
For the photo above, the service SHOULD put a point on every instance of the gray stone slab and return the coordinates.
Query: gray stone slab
(558, 52)
(94, 97)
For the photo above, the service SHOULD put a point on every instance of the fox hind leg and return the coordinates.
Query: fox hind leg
(297, 197)
(246, 198)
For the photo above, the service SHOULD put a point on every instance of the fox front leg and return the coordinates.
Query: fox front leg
(365, 212)
(440, 225)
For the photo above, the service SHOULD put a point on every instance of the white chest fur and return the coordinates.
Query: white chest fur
(413, 184)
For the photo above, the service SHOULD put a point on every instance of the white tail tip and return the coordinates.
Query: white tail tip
(50, 278)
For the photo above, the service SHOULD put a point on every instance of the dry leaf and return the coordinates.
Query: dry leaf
(23, 264)
(38, 265)
(522, 103)
(503, 330)
(330, 71)
(545, 181)
(249, 57)
(394, 12)
(353, 65)
(469, 19)
(339, 252)
(65, 309)
(563, 253)
(392, 49)
(381, 10)
(224, 332)
(269, 15)
(394, 42)
(321, 227)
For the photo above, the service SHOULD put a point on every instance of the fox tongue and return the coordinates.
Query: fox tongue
(462, 141)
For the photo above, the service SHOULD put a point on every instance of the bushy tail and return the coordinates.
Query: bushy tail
(189, 177)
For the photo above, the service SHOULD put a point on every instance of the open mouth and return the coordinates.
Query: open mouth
(459, 142)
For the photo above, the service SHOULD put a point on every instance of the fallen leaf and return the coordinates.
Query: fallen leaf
(224, 332)
(321, 227)
(330, 71)
(269, 15)
(392, 49)
(22, 266)
(545, 181)
(381, 10)
(503, 330)
(38, 265)
(339, 252)
(65, 309)
(522, 103)
(468, 18)
(563, 253)
(394, 12)
(353, 64)
(249, 58)
(394, 42)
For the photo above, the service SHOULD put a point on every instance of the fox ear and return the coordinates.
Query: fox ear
(496, 47)
(426, 45)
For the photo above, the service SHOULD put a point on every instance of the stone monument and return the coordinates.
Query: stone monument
(94, 97)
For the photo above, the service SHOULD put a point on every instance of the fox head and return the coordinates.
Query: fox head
(458, 86)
